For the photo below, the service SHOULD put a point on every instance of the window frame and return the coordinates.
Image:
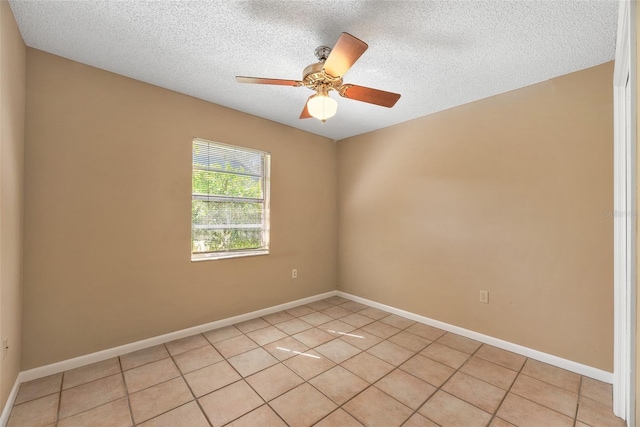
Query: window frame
(266, 190)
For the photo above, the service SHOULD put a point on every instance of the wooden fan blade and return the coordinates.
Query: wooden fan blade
(372, 96)
(263, 81)
(344, 54)
(305, 112)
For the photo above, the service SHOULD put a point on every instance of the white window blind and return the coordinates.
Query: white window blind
(230, 201)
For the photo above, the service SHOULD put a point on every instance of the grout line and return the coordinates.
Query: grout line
(182, 374)
(575, 418)
(445, 381)
(126, 391)
(59, 397)
(307, 381)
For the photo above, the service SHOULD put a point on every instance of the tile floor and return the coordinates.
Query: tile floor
(329, 363)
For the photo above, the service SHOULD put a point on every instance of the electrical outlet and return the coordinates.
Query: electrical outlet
(5, 348)
(484, 297)
(294, 273)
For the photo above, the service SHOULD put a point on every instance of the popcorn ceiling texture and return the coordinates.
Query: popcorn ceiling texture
(436, 54)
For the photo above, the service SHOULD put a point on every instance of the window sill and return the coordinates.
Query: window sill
(227, 255)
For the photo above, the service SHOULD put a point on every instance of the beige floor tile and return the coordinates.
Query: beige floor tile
(445, 355)
(37, 412)
(357, 320)
(234, 346)
(460, 343)
(158, 399)
(448, 410)
(336, 300)
(293, 326)
(489, 372)
(112, 414)
(368, 367)
(301, 310)
(319, 305)
(252, 361)
(397, 321)
(374, 313)
(391, 353)
(285, 348)
(251, 325)
(316, 406)
(196, 359)
(230, 403)
(339, 384)
(38, 388)
(472, 390)
(361, 339)
(380, 329)
(309, 364)
(372, 408)
(90, 395)
(501, 357)
(338, 418)
(406, 388)
(546, 394)
(337, 328)
(596, 390)
(187, 415)
(185, 344)
(222, 334)
(144, 356)
(274, 381)
(279, 317)
(427, 370)
(316, 318)
(264, 416)
(266, 335)
(211, 378)
(92, 372)
(336, 312)
(313, 337)
(581, 424)
(559, 377)
(525, 413)
(497, 422)
(596, 414)
(425, 331)
(354, 306)
(410, 341)
(150, 374)
(337, 351)
(418, 420)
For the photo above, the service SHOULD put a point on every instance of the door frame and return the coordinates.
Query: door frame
(624, 95)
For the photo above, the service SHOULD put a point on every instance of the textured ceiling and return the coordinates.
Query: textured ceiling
(437, 54)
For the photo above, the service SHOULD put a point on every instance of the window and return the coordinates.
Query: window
(230, 201)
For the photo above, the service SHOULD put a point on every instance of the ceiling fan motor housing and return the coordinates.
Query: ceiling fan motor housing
(314, 74)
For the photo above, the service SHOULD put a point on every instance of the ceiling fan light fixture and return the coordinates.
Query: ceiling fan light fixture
(322, 107)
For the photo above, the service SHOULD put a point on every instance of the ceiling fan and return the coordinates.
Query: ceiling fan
(326, 75)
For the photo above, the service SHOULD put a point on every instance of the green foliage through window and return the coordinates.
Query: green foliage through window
(228, 209)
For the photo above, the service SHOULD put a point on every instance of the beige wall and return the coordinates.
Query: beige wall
(107, 213)
(507, 194)
(12, 108)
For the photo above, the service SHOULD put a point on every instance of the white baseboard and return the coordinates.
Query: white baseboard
(4, 418)
(99, 356)
(569, 365)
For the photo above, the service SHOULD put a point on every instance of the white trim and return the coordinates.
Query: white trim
(569, 365)
(624, 216)
(4, 418)
(77, 362)
(99, 356)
